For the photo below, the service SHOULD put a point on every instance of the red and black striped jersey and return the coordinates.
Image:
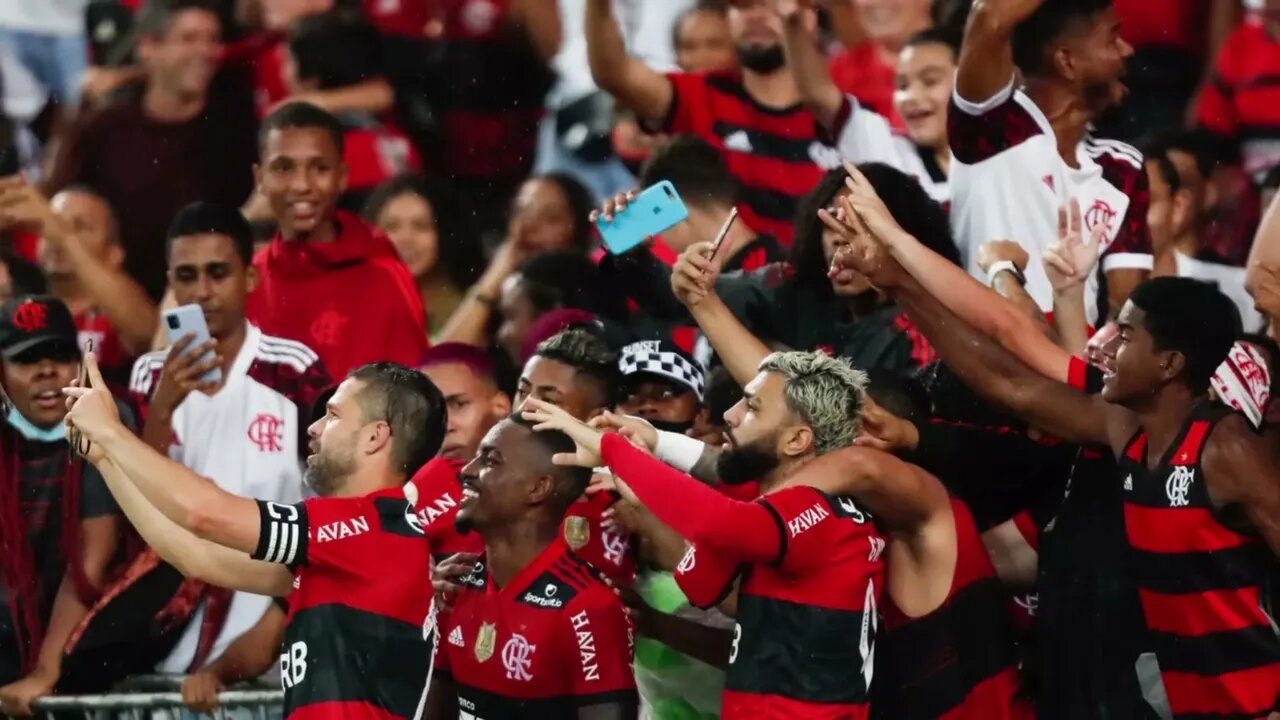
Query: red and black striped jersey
(803, 645)
(959, 662)
(553, 640)
(778, 155)
(1204, 587)
(1241, 100)
(354, 644)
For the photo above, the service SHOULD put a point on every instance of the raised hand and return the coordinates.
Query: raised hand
(637, 430)
(21, 204)
(871, 210)
(446, 575)
(1070, 260)
(183, 369)
(546, 416)
(92, 410)
(614, 205)
(857, 250)
(693, 279)
(1011, 12)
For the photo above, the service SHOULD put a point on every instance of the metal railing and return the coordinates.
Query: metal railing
(158, 696)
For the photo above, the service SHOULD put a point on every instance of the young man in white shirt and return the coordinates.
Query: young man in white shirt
(245, 431)
(1023, 149)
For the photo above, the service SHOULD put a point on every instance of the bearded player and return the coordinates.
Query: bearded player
(532, 631)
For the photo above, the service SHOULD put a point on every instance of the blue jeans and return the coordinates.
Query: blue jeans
(57, 61)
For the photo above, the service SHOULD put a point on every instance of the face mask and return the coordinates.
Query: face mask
(33, 433)
(681, 428)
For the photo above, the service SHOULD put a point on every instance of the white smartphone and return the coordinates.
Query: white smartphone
(187, 320)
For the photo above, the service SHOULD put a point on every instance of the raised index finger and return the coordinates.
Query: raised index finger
(91, 367)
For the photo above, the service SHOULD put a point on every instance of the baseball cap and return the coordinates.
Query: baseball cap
(664, 359)
(36, 321)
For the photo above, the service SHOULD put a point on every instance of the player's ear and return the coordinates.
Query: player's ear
(375, 437)
(797, 440)
(542, 489)
(1172, 365)
(500, 404)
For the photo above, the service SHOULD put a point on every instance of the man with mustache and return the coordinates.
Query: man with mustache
(753, 115)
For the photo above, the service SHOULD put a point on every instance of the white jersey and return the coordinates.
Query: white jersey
(865, 136)
(248, 438)
(1008, 181)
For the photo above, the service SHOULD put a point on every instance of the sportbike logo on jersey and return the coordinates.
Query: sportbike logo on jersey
(1178, 486)
(517, 658)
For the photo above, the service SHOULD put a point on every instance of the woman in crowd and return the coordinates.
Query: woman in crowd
(433, 239)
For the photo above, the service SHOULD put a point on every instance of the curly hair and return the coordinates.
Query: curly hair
(909, 204)
(826, 392)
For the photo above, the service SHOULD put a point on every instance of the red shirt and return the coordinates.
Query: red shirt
(959, 662)
(351, 300)
(376, 151)
(862, 72)
(1241, 101)
(439, 491)
(354, 645)
(553, 640)
(399, 17)
(1177, 23)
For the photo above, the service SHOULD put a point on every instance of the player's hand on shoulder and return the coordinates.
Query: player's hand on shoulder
(446, 576)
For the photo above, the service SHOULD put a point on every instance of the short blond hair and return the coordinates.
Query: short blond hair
(826, 392)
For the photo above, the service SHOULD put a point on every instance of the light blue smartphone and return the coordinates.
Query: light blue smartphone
(187, 320)
(656, 209)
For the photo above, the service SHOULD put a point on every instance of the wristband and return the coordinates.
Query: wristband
(1002, 266)
(679, 451)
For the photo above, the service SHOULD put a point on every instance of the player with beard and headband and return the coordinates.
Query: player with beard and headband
(354, 644)
(771, 142)
(1198, 491)
(1021, 152)
(533, 631)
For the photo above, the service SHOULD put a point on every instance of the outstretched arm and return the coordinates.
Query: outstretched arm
(1242, 469)
(808, 65)
(192, 556)
(986, 56)
(635, 85)
(901, 496)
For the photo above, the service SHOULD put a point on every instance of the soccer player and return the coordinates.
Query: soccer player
(575, 370)
(354, 643)
(940, 581)
(1201, 504)
(809, 564)
(533, 631)
(1022, 152)
(464, 374)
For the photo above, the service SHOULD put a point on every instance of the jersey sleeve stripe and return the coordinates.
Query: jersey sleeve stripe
(982, 107)
(275, 344)
(782, 533)
(1127, 261)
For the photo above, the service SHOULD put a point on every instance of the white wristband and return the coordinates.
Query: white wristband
(679, 451)
(1002, 266)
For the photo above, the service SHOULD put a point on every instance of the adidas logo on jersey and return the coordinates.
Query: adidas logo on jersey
(455, 638)
(738, 141)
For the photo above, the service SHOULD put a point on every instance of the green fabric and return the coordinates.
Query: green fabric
(673, 685)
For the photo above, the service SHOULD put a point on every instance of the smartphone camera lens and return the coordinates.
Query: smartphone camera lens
(172, 322)
(670, 195)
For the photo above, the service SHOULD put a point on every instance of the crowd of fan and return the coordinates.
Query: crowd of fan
(337, 183)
